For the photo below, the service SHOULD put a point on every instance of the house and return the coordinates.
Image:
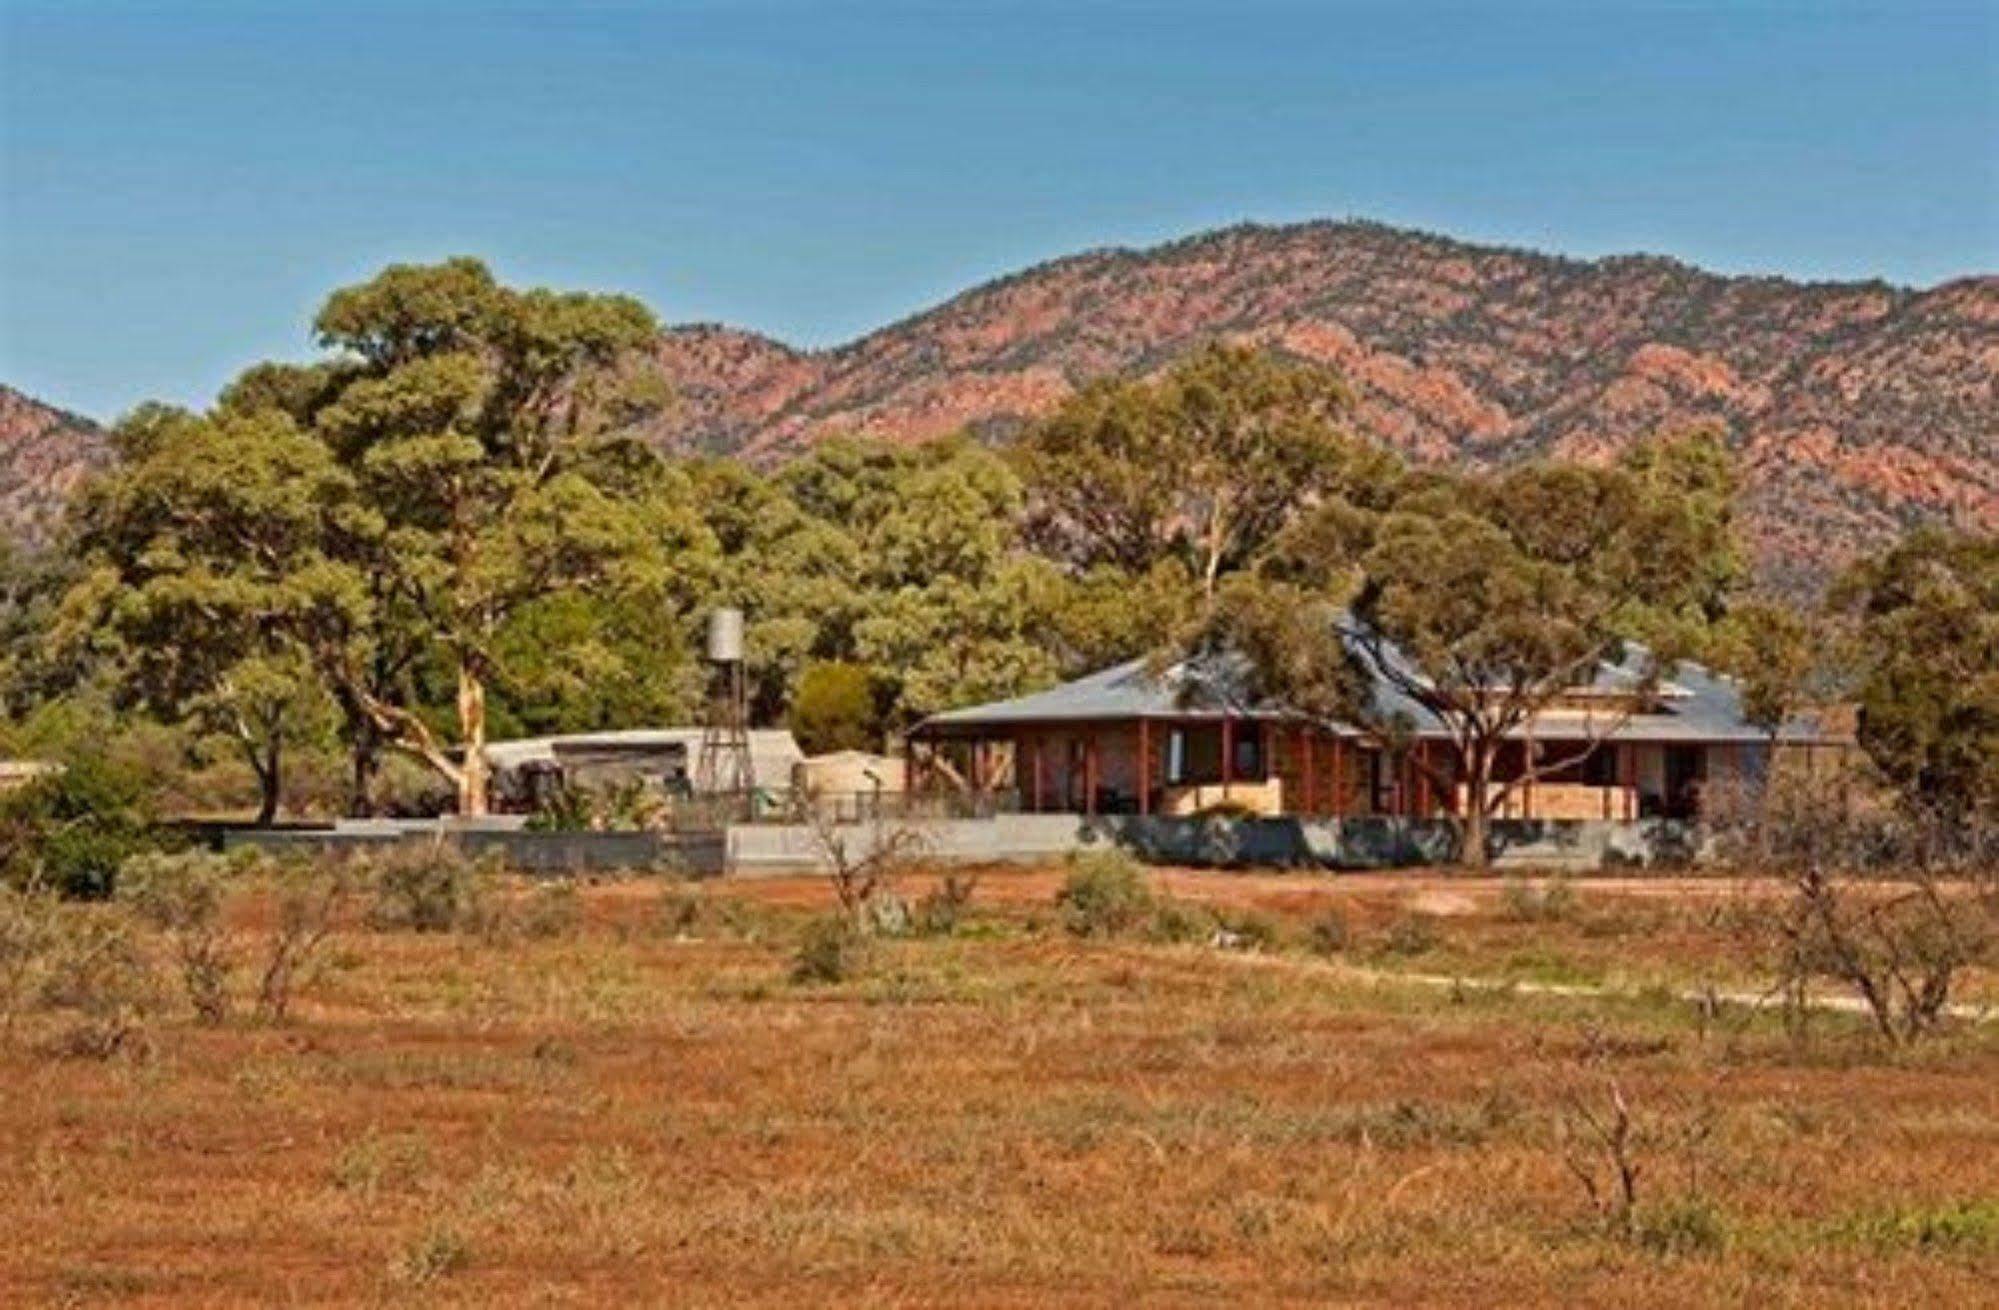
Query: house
(1135, 740)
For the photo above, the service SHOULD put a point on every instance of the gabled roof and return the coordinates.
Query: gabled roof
(1695, 704)
(1123, 691)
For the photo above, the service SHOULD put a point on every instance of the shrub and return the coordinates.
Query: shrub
(830, 951)
(436, 1252)
(1246, 930)
(29, 927)
(553, 910)
(681, 913)
(310, 904)
(71, 830)
(1104, 895)
(1687, 1227)
(836, 706)
(1178, 922)
(944, 907)
(1410, 933)
(1330, 933)
(1551, 901)
(181, 895)
(100, 975)
(429, 888)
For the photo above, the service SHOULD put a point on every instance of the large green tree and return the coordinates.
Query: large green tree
(1205, 464)
(486, 431)
(1482, 600)
(190, 547)
(1928, 619)
(418, 500)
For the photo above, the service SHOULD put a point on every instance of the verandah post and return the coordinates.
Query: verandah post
(1228, 755)
(1305, 748)
(1144, 766)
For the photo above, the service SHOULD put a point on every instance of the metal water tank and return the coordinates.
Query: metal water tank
(725, 636)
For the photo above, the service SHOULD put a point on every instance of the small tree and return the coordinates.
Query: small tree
(1928, 616)
(834, 707)
(1876, 904)
(863, 863)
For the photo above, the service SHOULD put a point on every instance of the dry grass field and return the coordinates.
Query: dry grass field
(633, 1103)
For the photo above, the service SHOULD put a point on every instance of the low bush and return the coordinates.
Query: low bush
(1410, 933)
(311, 906)
(1247, 930)
(429, 887)
(552, 910)
(1104, 895)
(73, 829)
(29, 929)
(100, 977)
(941, 910)
(1329, 933)
(1178, 923)
(182, 895)
(1551, 900)
(1693, 1226)
(831, 950)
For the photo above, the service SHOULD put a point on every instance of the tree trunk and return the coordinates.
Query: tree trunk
(472, 777)
(365, 761)
(270, 780)
(1474, 854)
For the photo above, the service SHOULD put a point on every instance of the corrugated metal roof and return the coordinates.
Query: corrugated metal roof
(772, 750)
(1695, 704)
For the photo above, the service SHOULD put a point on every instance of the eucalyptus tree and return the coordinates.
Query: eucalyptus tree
(191, 548)
(1928, 617)
(487, 431)
(1206, 464)
(1481, 600)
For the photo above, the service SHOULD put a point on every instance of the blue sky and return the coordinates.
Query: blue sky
(181, 184)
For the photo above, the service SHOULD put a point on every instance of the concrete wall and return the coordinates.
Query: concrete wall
(778, 847)
(1365, 842)
(1361, 842)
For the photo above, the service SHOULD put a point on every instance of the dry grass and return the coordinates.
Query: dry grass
(644, 1110)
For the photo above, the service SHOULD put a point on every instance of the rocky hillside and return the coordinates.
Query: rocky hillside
(44, 453)
(1858, 408)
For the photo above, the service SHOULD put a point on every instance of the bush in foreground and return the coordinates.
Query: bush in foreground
(1104, 894)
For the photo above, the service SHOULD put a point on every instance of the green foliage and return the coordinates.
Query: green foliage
(1204, 466)
(1177, 923)
(941, 910)
(182, 895)
(428, 887)
(1687, 1227)
(831, 950)
(72, 829)
(834, 708)
(1778, 654)
(1484, 598)
(1104, 894)
(1928, 615)
(99, 976)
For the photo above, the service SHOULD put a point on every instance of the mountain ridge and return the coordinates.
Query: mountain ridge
(1858, 408)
